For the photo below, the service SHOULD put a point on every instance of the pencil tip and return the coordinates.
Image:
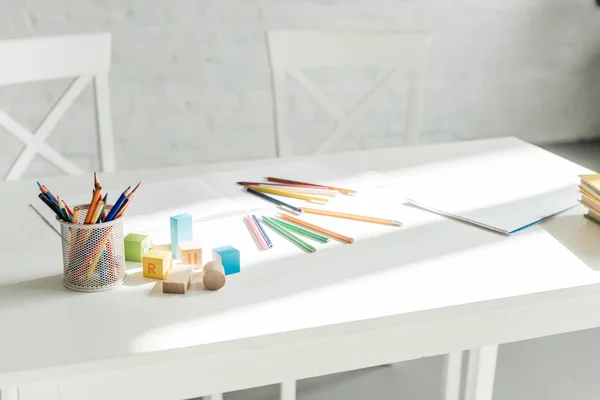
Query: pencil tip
(38, 184)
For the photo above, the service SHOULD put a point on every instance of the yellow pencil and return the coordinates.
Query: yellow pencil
(96, 258)
(286, 193)
(76, 215)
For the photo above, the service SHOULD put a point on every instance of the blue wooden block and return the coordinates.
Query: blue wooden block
(181, 231)
(229, 257)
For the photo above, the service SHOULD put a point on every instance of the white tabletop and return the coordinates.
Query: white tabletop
(434, 267)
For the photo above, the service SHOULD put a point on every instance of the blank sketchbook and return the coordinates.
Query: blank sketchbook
(511, 217)
(504, 191)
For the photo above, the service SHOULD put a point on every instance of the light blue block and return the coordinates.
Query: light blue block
(181, 231)
(229, 257)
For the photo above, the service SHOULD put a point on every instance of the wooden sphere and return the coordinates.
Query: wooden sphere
(213, 275)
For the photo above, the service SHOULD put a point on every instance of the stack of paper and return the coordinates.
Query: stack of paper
(589, 187)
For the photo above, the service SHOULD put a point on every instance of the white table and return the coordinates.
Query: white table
(432, 287)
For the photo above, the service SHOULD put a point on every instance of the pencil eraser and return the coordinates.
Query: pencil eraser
(229, 257)
(179, 279)
(156, 263)
(213, 275)
(191, 253)
(136, 246)
(181, 231)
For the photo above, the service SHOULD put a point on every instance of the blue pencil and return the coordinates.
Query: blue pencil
(262, 230)
(115, 209)
(274, 200)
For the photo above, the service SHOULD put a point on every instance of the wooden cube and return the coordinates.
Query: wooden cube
(229, 257)
(213, 275)
(191, 253)
(179, 279)
(156, 263)
(181, 231)
(136, 246)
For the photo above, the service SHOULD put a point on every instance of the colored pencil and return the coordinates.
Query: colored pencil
(51, 205)
(130, 197)
(256, 233)
(324, 231)
(96, 196)
(48, 193)
(101, 215)
(96, 181)
(115, 208)
(352, 216)
(262, 230)
(90, 254)
(245, 183)
(68, 208)
(61, 205)
(280, 180)
(302, 231)
(273, 200)
(76, 215)
(293, 238)
(285, 193)
(293, 188)
(306, 190)
(97, 212)
(99, 250)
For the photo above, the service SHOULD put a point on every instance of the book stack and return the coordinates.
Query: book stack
(589, 188)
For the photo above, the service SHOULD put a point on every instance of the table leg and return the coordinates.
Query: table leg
(216, 396)
(287, 390)
(9, 393)
(452, 375)
(481, 372)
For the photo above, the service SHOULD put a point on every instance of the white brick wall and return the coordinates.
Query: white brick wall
(191, 83)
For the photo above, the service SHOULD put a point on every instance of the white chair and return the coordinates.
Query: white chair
(291, 51)
(85, 58)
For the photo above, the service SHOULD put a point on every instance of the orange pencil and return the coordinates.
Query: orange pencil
(97, 211)
(97, 194)
(129, 198)
(352, 216)
(318, 229)
(280, 180)
(96, 182)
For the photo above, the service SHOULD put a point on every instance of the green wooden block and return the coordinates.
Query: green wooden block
(136, 246)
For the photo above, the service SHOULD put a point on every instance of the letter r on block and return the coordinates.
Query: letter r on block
(151, 268)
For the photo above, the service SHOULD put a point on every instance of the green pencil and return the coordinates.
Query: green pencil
(301, 231)
(284, 232)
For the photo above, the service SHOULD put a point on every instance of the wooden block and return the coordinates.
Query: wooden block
(213, 275)
(191, 253)
(136, 246)
(156, 263)
(229, 257)
(181, 231)
(179, 279)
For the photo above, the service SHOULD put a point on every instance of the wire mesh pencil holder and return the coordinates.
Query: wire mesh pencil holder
(93, 254)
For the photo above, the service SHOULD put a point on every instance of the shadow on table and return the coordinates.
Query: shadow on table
(578, 234)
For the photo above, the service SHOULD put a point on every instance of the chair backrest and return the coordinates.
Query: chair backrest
(291, 51)
(85, 58)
